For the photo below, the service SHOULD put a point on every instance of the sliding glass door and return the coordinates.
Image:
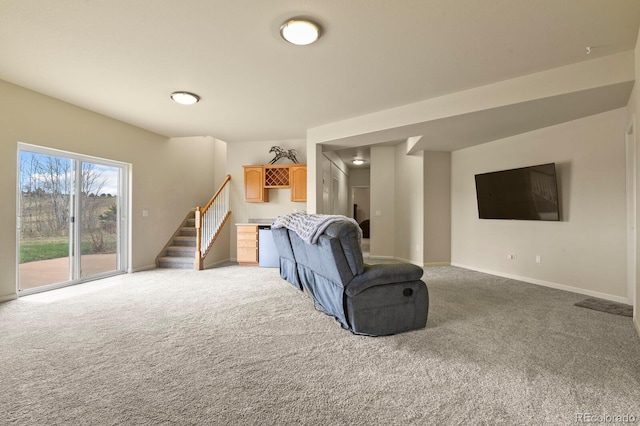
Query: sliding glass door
(72, 222)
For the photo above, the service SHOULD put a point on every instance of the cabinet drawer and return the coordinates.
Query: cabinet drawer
(247, 237)
(247, 254)
(248, 243)
(247, 229)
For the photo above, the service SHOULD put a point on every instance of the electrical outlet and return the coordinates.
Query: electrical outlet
(511, 256)
(145, 213)
(538, 259)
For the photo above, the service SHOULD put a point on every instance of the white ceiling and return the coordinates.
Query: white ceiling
(123, 58)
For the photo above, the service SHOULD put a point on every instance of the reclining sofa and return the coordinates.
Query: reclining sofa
(373, 300)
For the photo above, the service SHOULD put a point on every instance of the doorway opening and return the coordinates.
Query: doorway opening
(361, 196)
(72, 218)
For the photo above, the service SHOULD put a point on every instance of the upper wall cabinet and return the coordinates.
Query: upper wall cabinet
(259, 179)
(254, 190)
(298, 182)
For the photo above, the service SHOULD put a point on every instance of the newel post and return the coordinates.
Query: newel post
(198, 256)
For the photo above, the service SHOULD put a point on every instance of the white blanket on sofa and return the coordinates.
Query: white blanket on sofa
(310, 226)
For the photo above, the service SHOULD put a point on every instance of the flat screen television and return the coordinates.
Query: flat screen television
(527, 193)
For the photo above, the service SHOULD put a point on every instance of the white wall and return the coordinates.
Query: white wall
(586, 251)
(633, 109)
(166, 173)
(382, 201)
(250, 153)
(437, 208)
(409, 206)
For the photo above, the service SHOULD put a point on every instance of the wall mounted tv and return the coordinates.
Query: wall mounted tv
(527, 193)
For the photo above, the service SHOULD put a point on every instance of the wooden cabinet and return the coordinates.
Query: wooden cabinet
(254, 190)
(259, 178)
(298, 182)
(247, 253)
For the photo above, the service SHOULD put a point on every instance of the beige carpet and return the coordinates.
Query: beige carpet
(239, 346)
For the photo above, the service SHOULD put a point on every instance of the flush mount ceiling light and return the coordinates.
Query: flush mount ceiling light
(358, 162)
(300, 31)
(185, 98)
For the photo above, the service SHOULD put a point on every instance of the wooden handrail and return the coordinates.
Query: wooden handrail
(224, 182)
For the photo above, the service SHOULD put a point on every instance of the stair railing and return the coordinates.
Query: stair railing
(209, 222)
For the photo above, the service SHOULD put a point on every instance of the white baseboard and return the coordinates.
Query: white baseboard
(383, 257)
(636, 322)
(8, 297)
(437, 264)
(557, 286)
(413, 262)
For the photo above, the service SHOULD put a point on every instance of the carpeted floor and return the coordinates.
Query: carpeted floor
(240, 346)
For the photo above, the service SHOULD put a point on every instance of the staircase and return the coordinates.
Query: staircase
(193, 239)
(180, 253)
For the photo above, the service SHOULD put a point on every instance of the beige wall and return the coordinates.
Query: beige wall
(586, 251)
(359, 177)
(166, 173)
(249, 153)
(633, 116)
(437, 208)
(636, 310)
(409, 206)
(382, 201)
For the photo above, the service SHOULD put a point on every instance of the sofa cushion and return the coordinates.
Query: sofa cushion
(350, 239)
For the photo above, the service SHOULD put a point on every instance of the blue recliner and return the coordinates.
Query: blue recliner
(366, 299)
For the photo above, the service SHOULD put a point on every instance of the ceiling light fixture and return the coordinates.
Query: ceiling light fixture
(185, 98)
(358, 162)
(300, 31)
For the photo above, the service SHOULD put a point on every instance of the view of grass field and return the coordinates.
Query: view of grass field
(40, 240)
(43, 249)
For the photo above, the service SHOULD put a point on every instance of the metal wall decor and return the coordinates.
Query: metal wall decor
(283, 153)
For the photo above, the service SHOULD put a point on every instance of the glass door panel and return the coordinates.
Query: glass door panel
(99, 224)
(46, 237)
(71, 218)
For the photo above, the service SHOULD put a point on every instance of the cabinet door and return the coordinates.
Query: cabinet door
(254, 191)
(298, 183)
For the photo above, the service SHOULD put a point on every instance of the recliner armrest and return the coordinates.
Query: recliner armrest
(381, 274)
